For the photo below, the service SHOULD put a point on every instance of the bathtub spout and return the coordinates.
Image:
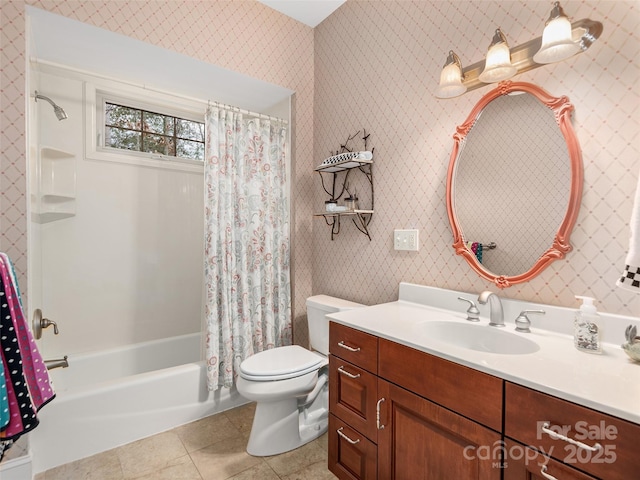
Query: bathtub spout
(56, 363)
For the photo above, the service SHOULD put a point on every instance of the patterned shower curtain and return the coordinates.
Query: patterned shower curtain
(247, 278)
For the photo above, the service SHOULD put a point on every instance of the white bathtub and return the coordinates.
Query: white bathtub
(110, 398)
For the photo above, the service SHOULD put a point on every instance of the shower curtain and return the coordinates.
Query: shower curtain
(247, 277)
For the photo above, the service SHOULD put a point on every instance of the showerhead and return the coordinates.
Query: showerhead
(59, 111)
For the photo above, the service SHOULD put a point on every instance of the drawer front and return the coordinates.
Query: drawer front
(353, 396)
(475, 395)
(354, 346)
(523, 463)
(617, 458)
(351, 455)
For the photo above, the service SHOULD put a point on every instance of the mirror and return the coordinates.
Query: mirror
(514, 183)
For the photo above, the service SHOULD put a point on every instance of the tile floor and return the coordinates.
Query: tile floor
(212, 448)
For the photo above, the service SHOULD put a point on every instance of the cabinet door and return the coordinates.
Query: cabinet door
(351, 455)
(523, 463)
(421, 440)
(353, 396)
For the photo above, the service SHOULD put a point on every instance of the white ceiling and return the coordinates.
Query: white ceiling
(309, 12)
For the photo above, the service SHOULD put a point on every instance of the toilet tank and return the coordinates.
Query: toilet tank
(317, 307)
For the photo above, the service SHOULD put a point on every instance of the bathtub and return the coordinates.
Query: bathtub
(113, 397)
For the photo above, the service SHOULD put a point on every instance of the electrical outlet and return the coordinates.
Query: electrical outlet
(406, 240)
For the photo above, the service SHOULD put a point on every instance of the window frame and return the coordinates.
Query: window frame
(96, 96)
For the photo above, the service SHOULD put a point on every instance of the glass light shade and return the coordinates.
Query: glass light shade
(450, 82)
(557, 44)
(498, 66)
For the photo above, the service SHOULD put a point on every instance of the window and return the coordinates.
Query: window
(136, 129)
(130, 125)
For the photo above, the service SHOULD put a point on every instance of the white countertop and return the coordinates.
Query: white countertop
(609, 382)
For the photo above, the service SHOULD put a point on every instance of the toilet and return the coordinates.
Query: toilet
(290, 385)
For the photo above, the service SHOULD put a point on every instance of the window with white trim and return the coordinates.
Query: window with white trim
(138, 126)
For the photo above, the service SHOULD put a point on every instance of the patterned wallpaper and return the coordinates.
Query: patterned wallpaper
(244, 36)
(376, 66)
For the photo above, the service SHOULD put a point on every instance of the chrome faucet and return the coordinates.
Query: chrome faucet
(495, 308)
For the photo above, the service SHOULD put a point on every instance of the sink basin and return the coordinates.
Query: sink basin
(481, 338)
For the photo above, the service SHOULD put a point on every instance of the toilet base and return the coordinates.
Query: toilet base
(279, 427)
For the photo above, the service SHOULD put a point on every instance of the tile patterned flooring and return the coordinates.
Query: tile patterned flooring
(212, 448)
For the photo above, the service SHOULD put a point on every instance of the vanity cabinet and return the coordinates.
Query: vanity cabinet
(400, 413)
(396, 412)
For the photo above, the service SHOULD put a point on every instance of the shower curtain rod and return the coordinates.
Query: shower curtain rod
(207, 102)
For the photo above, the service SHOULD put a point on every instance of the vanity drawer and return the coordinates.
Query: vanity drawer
(473, 394)
(527, 411)
(354, 346)
(353, 393)
(523, 463)
(351, 455)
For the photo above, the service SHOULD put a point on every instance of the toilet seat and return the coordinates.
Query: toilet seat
(281, 363)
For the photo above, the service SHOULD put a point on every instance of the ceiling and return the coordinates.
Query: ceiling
(309, 12)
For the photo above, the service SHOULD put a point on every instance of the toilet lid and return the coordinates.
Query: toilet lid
(281, 363)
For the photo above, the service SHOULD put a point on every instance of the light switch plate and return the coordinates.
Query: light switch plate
(407, 240)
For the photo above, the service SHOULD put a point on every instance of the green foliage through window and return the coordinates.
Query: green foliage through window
(130, 128)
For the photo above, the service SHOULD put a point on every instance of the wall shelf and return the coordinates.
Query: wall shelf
(55, 153)
(338, 169)
(50, 216)
(56, 185)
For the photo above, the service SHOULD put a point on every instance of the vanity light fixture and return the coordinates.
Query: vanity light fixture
(497, 66)
(451, 78)
(548, 48)
(557, 43)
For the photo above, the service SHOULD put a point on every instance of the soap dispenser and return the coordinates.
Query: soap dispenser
(586, 335)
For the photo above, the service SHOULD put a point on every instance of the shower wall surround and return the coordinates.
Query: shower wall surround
(129, 263)
(377, 63)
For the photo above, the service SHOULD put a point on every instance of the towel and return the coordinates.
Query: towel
(630, 279)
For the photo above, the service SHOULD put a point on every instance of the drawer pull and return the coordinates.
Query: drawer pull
(380, 427)
(347, 347)
(556, 436)
(352, 442)
(350, 375)
(543, 472)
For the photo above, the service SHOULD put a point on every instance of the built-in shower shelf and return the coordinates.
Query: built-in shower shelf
(56, 185)
(50, 216)
(57, 198)
(55, 153)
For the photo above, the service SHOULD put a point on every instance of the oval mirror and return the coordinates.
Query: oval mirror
(514, 183)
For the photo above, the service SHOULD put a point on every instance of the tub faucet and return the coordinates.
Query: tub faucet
(57, 363)
(495, 308)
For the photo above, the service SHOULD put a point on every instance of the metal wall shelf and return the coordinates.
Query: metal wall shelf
(335, 166)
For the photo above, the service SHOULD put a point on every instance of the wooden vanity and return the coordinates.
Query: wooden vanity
(400, 413)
